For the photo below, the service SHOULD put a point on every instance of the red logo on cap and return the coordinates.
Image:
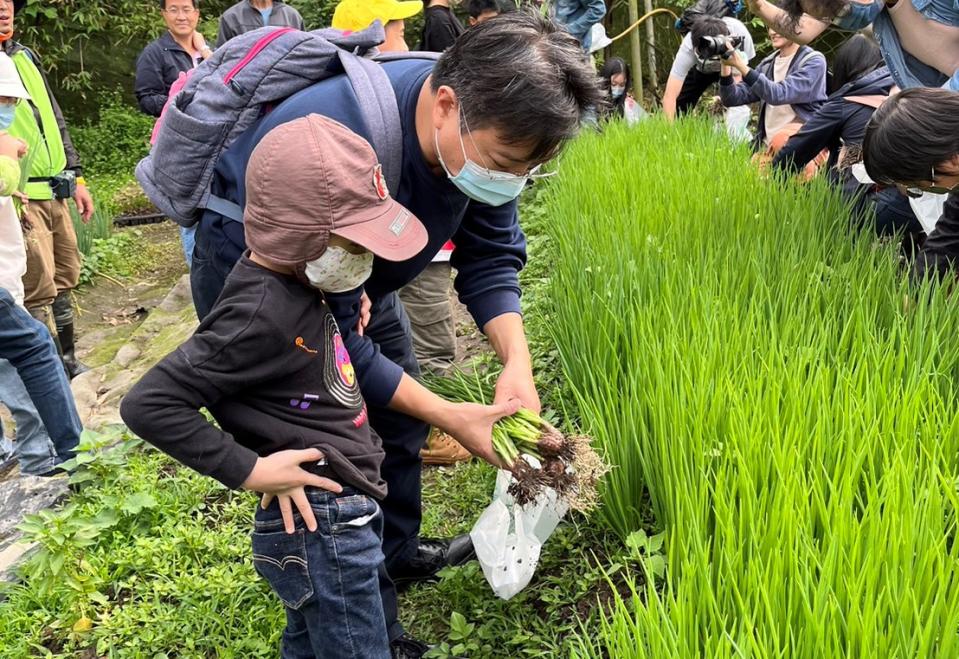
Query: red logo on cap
(379, 183)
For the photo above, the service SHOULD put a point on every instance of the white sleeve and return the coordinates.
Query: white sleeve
(685, 59)
(737, 29)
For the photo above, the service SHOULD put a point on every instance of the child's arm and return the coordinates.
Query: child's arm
(164, 409)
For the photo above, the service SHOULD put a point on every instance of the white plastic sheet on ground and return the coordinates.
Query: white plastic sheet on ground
(508, 537)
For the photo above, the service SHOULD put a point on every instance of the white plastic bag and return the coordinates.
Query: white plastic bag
(737, 123)
(928, 208)
(508, 537)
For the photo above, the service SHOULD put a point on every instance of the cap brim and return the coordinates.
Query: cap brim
(406, 9)
(394, 235)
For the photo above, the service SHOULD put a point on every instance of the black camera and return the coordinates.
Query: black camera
(64, 185)
(712, 47)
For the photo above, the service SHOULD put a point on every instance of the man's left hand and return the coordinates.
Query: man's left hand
(516, 381)
(84, 203)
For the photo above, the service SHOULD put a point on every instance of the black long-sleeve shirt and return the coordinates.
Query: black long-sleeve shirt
(269, 364)
(440, 29)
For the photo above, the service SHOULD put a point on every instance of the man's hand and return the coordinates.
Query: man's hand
(472, 426)
(735, 60)
(280, 475)
(365, 306)
(84, 203)
(25, 223)
(516, 381)
(508, 339)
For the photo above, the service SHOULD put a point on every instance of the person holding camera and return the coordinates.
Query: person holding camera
(790, 85)
(698, 61)
(53, 259)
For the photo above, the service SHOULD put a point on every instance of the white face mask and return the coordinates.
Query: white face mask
(339, 271)
(617, 91)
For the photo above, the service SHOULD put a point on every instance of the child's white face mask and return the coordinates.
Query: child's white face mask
(339, 271)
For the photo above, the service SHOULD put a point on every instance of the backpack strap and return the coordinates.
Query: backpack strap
(377, 102)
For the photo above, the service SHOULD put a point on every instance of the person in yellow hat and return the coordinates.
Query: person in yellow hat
(356, 15)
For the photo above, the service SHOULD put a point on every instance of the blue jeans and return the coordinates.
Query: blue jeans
(27, 344)
(188, 242)
(327, 580)
(33, 447)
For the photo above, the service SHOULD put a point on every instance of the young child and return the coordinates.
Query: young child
(270, 365)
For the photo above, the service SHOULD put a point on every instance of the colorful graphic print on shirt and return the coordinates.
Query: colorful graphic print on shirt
(338, 374)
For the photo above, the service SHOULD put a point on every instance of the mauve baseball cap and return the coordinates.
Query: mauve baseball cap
(313, 177)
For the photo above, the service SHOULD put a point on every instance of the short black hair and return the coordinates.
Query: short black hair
(195, 3)
(857, 57)
(707, 26)
(476, 8)
(524, 76)
(910, 134)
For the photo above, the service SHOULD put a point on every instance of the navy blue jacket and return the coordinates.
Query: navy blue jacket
(838, 122)
(490, 246)
(158, 67)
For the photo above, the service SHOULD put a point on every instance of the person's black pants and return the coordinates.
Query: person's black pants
(695, 84)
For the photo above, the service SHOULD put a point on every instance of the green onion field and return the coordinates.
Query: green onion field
(785, 395)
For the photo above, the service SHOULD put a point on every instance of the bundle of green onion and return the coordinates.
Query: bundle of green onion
(568, 464)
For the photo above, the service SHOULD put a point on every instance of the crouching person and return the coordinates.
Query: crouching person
(912, 142)
(790, 85)
(269, 363)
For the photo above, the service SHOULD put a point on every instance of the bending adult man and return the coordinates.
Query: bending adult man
(919, 39)
(504, 98)
(53, 259)
(247, 15)
(692, 75)
(179, 49)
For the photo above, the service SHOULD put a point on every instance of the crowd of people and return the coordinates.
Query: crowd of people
(322, 260)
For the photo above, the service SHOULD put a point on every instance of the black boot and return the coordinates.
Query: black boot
(63, 318)
(73, 365)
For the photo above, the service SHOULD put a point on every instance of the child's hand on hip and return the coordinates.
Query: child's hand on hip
(280, 475)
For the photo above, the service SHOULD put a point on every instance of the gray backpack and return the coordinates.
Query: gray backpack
(231, 91)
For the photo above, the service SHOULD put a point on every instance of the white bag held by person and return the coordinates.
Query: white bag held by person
(508, 537)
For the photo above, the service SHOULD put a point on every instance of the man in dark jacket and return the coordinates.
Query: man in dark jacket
(180, 48)
(248, 15)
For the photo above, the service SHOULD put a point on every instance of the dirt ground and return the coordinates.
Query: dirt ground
(109, 309)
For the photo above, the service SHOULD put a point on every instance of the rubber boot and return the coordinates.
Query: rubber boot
(63, 317)
(73, 365)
